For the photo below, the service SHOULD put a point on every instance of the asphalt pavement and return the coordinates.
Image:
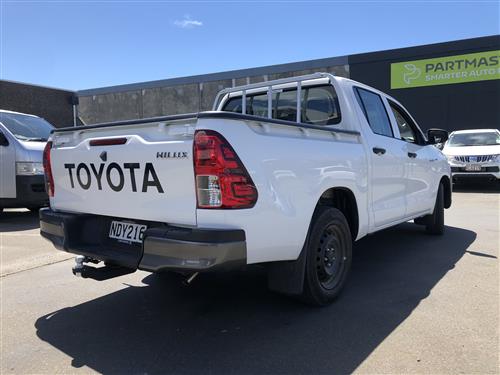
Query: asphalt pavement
(414, 303)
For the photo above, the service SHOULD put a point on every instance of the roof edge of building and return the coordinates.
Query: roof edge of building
(414, 52)
(230, 74)
(396, 53)
(37, 85)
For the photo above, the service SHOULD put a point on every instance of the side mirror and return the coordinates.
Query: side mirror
(439, 146)
(3, 140)
(436, 136)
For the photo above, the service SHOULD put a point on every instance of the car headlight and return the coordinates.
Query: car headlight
(29, 168)
(450, 158)
(496, 158)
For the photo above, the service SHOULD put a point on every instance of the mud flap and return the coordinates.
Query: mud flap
(287, 277)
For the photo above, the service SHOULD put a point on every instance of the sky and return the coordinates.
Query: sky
(88, 44)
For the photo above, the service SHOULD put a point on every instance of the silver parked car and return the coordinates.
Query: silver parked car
(22, 140)
(474, 154)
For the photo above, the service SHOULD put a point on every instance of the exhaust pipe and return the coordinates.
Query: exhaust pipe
(190, 279)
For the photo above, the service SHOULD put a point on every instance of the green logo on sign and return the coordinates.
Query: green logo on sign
(471, 67)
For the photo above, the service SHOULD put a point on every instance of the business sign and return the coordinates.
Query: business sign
(472, 67)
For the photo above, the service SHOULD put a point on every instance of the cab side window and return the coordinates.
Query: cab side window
(234, 105)
(407, 128)
(258, 106)
(319, 105)
(374, 110)
(287, 105)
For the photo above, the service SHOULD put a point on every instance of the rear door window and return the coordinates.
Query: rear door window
(374, 110)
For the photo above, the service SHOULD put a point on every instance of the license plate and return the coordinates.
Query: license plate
(128, 232)
(473, 168)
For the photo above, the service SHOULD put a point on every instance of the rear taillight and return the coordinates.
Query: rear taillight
(49, 178)
(221, 178)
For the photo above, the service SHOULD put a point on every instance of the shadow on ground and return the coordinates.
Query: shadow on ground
(230, 323)
(13, 221)
(488, 187)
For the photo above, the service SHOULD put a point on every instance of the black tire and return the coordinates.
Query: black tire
(435, 223)
(328, 257)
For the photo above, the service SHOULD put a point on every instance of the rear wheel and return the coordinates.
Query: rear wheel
(435, 222)
(328, 259)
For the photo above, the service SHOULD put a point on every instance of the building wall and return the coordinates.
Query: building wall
(54, 105)
(471, 105)
(169, 97)
(451, 106)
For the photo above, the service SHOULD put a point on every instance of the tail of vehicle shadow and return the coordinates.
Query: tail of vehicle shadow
(14, 221)
(231, 323)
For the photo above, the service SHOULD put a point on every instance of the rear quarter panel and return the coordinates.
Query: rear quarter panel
(291, 168)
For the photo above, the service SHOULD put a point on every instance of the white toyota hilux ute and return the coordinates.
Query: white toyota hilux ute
(286, 173)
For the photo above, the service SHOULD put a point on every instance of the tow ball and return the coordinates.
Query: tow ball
(84, 270)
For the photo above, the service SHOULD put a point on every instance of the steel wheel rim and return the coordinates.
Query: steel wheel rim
(330, 257)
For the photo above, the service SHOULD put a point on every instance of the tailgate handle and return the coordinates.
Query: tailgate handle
(108, 141)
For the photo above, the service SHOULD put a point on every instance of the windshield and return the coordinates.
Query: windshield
(26, 128)
(474, 139)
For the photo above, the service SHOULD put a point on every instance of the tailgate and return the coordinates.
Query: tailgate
(140, 171)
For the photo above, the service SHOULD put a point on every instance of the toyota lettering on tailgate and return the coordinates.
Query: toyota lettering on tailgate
(92, 174)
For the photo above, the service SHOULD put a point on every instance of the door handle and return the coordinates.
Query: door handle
(378, 150)
(412, 155)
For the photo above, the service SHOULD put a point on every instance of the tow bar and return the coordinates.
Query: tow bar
(80, 269)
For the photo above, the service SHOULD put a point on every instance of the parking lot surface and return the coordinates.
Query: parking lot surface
(414, 303)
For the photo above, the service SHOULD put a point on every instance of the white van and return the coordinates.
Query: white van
(22, 140)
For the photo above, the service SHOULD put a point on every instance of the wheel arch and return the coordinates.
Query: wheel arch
(343, 199)
(288, 277)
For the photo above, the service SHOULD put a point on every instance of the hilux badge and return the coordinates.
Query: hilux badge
(171, 154)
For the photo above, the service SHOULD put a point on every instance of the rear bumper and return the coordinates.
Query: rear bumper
(164, 247)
